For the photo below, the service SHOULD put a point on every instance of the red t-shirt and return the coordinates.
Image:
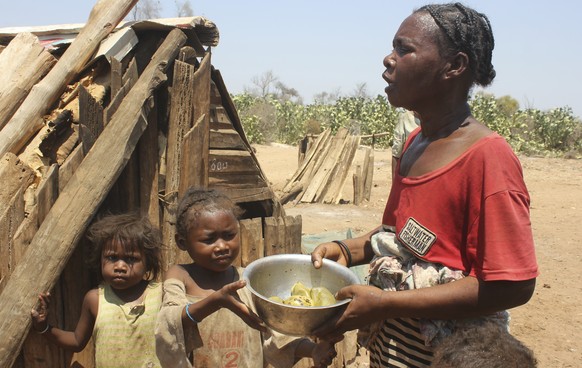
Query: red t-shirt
(470, 215)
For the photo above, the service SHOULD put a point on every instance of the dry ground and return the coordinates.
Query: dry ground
(551, 323)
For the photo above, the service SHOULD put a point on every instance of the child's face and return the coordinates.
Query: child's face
(213, 242)
(120, 268)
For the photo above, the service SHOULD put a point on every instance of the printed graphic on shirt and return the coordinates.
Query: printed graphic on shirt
(416, 237)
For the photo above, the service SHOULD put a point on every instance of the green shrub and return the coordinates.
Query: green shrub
(529, 131)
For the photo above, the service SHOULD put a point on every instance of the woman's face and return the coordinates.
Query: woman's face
(414, 67)
(213, 242)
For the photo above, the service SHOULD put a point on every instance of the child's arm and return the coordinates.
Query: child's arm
(322, 352)
(70, 340)
(226, 297)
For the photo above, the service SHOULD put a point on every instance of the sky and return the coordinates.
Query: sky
(330, 46)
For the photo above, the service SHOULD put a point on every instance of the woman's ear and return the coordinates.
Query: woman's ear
(457, 65)
(180, 242)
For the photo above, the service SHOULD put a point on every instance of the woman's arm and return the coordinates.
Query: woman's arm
(465, 298)
(360, 249)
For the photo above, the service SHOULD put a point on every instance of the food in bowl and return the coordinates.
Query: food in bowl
(303, 296)
(276, 275)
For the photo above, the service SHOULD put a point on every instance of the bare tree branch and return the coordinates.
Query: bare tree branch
(184, 8)
(147, 9)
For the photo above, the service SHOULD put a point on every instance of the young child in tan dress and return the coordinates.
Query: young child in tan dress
(121, 313)
(204, 320)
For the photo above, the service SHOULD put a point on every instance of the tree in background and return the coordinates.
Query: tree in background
(146, 9)
(151, 9)
(184, 8)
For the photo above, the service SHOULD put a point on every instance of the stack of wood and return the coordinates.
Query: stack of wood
(116, 120)
(324, 167)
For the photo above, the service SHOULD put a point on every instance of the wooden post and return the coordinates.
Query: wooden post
(251, 240)
(293, 226)
(56, 238)
(194, 165)
(357, 184)
(16, 177)
(23, 63)
(104, 17)
(148, 169)
(180, 122)
(368, 174)
(274, 241)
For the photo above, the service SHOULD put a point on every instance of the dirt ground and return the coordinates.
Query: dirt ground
(551, 323)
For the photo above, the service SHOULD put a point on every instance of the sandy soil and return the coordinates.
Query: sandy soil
(551, 323)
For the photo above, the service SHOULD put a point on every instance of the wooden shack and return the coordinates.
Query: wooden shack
(107, 118)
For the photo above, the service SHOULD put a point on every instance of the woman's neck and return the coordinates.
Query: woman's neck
(441, 125)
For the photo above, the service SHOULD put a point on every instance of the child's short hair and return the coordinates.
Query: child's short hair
(198, 200)
(484, 345)
(133, 232)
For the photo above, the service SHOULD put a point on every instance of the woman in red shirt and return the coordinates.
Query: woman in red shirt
(458, 198)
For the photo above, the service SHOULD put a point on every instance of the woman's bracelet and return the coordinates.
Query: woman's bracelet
(48, 326)
(345, 250)
(188, 313)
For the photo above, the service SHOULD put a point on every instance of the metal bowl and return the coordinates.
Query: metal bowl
(275, 275)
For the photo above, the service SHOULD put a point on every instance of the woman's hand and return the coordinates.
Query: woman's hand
(39, 314)
(329, 250)
(367, 306)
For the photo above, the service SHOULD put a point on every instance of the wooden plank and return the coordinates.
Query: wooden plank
(90, 119)
(231, 161)
(148, 153)
(293, 228)
(357, 181)
(240, 195)
(251, 240)
(368, 173)
(67, 147)
(131, 74)
(16, 177)
(128, 82)
(116, 72)
(273, 244)
(55, 240)
(309, 162)
(69, 167)
(323, 172)
(226, 139)
(103, 19)
(37, 352)
(236, 180)
(341, 171)
(11, 217)
(179, 123)
(23, 63)
(195, 162)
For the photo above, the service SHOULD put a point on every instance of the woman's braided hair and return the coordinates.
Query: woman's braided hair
(198, 200)
(468, 31)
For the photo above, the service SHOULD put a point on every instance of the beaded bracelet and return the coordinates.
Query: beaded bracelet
(345, 250)
(45, 329)
(188, 313)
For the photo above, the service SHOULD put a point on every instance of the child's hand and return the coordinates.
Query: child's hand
(324, 352)
(229, 299)
(40, 313)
